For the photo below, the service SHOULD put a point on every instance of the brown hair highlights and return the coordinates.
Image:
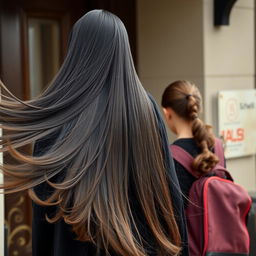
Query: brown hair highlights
(185, 100)
(107, 137)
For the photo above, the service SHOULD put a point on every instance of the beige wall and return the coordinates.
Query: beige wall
(169, 43)
(229, 64)
(177, 40)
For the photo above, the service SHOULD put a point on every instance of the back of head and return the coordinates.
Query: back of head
(185, 100)
(107, 137)
(98, 49)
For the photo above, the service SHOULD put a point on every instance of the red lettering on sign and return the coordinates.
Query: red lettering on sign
(233, 135)
(240, 134)
(229, 135)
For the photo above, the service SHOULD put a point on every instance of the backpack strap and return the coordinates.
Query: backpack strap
(184, 158)
(219, 151)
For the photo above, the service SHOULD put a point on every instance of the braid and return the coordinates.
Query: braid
(184, 99)
(203, 136)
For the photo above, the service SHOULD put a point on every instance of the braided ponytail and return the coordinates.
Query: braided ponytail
(185, 100)
(203, 136)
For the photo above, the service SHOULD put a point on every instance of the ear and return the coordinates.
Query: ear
(167, 113)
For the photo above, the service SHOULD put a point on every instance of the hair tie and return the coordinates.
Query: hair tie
(188, 95)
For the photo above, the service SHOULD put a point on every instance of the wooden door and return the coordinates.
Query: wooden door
(33, 42)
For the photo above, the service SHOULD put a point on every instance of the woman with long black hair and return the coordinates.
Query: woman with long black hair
(101, 177)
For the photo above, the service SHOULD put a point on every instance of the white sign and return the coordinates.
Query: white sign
(237, 122)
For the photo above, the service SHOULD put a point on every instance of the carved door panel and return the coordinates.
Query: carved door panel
(33, 41)
(33, 44)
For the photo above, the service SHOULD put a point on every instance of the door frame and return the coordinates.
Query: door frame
(64, 20)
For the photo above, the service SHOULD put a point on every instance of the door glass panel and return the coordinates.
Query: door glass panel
(44, 52)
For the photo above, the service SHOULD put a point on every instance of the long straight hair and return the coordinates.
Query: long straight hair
(107, 135)
(184, 98)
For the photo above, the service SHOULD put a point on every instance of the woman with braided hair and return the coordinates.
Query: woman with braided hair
(182, 103)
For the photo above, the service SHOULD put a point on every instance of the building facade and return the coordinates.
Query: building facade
(177, 39)
(170, 40)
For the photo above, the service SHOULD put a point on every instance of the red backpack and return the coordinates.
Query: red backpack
(217, 209)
